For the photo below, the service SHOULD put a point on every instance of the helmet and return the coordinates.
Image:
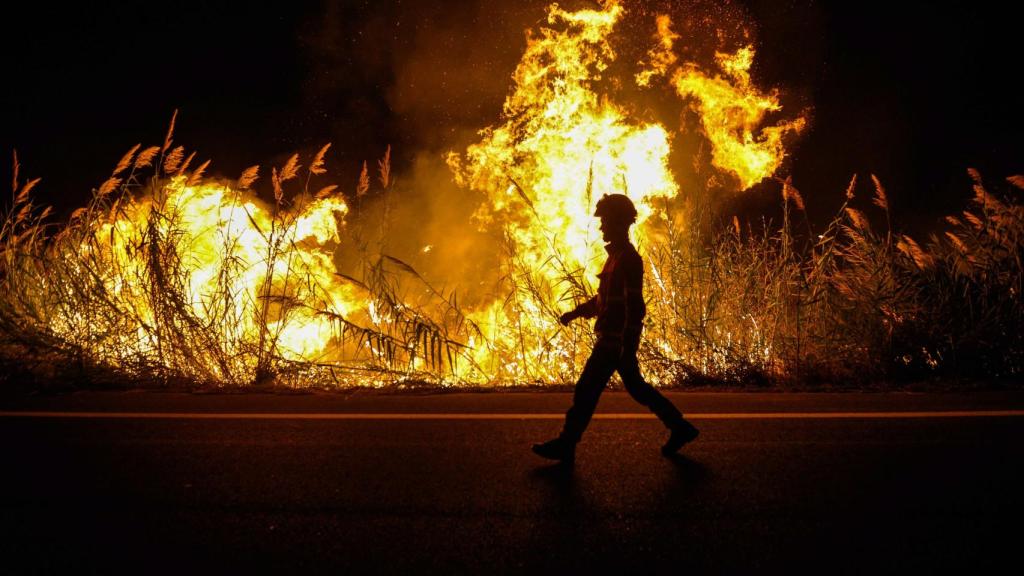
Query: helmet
(616, 207)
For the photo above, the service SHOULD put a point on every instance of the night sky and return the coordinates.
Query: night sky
(915, 96)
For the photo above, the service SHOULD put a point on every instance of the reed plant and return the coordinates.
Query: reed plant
(124, 292)
(112, 294)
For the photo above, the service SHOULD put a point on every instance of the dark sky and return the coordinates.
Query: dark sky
(915, 94)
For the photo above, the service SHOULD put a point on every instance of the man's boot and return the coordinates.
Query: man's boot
(682, 434)
(557, 449)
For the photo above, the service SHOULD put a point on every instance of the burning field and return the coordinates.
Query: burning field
(170, 276)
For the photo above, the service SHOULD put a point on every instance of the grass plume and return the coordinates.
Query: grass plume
(101, 300)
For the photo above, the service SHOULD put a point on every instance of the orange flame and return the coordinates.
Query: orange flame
(731, 111)
(562, 145)
(247, 272)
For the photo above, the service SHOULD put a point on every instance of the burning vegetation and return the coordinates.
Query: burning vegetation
(168, 275)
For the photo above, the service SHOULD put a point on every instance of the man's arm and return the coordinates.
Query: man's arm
(587, 309)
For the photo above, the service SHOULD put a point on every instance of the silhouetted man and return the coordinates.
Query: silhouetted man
(619, 308)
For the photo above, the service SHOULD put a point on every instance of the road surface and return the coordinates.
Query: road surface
(153, 482)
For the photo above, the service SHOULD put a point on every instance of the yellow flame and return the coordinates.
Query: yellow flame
(246, 269)
(661, 57)
(560, 149)
(731, 111)
(563, 144)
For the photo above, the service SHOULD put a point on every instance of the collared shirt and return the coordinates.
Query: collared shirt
(619, 304)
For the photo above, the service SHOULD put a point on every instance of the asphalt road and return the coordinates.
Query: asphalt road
(371, 483)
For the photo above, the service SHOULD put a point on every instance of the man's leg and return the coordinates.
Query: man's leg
(641, 391)
(591, 384)
(644, 393)
(588, 390)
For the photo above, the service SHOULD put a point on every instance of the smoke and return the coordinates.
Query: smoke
(419, 76)
(424, 219)
(423, 78)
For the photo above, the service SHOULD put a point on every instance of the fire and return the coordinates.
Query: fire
(661, 57)
(563, 144)
(731, 111)
(244, 277)
(201, 279)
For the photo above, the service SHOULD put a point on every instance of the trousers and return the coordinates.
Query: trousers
(606, 358)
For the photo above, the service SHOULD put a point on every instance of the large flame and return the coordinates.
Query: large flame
(732, 111)
(562, 147)
(564, 143)
(247, 279)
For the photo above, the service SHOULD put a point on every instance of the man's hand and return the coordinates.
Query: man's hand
(567, 317)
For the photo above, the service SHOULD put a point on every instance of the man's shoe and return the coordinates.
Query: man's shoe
(682, 434)
(557, 449)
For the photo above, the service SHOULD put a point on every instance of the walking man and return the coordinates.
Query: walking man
(619, 308)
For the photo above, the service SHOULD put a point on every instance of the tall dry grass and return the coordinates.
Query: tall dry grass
(855, 302)
(728, 303)
(109, 296)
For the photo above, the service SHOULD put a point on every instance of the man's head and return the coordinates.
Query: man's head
(617, 214)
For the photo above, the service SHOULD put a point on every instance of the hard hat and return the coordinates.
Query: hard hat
(617, 207)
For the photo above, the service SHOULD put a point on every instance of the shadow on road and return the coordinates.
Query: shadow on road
(690, 473)
(558, 488)
(566, 521)
(576, 529)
